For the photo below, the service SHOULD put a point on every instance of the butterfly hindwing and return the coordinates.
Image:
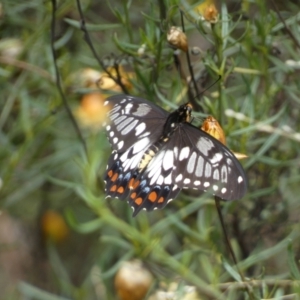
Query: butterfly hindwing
(140, 192)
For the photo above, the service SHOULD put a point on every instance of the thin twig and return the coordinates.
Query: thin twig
(58, 83)
(217, 201)
(285, 25)
(228, 244)
(283, 283)
(26, 66)
(117, 79)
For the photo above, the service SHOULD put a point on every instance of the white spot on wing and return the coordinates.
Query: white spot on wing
(105, 103)
(140, 128)
(115, 109)
(191, 163)
(240, 179)
(200, 166)
(111, 134)
(229, 161)
(215, 187)
(216, 174)
(113, 116)
(223, 190)
(108, 127)
(197, 182)
(120, 145)
(186, 181)
(184, 153)
(178, 178)
(168, 179)
(206, 184)
(144, 134)
(124, 123)
(154, 174)
(160, 180)
(204, 145)
(127, 129)
(142, 110)
(224, 174)
(175, 151)
(115, 140)
(156, 163)
(141, 145)
(208, 170)
(168, 160)
(217, 157)
(128, 108)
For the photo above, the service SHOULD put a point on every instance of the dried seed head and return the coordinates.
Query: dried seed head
(212, 127)
(132, 281)
(211, 14)
(177, 38)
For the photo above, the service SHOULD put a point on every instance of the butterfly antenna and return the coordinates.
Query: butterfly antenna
(201, 93)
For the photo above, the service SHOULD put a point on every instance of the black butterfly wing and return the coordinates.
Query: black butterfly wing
(133, 125)
(203, 163)
(133, 122)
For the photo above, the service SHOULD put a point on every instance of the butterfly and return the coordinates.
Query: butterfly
(156, 154)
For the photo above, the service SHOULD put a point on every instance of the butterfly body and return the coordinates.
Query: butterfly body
(156, 154)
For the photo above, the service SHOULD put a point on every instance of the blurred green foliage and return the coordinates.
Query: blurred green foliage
(43, 165)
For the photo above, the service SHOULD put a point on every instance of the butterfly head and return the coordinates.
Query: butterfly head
(185, 113)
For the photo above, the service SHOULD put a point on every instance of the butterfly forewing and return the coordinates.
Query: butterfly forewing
(133, 122)
(206, 164)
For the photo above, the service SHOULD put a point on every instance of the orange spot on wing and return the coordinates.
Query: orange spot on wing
(161, 200)
(120, 190)
(136, 184)
(133, 184)
(133, 195)
(138, 201)
(110, 173)
(115, 177)
(113, 188)
(152, 196)
(130, 183)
